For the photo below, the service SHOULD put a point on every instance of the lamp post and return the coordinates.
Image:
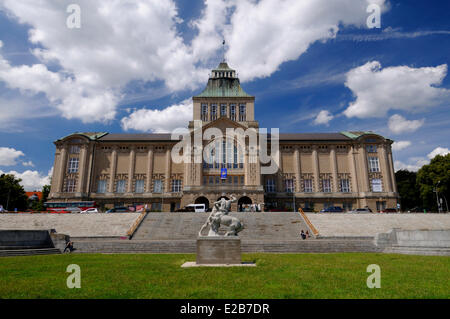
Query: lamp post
(437, 196)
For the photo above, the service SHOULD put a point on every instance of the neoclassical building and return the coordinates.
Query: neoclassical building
(313, 170)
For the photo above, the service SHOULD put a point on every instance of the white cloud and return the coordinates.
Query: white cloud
(399, 145)
(398, 124)
(438, 151)
(323, 117)
(414, 164)
(29, 163)
(379, 90)
(31, 180)
(264, 34)
(83, 72)
(9, 156)
(159, 121)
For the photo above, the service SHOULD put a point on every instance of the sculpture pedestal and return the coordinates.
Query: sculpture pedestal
(218, 250)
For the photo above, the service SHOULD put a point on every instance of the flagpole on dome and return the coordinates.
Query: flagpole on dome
(223, 49)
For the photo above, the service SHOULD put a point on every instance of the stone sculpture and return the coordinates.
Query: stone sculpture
(219, 216)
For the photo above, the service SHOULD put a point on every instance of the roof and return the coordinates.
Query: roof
(224, 86)
(90, 135)
(38, 194)
(357, 134)
(137, 137)
(313, 137)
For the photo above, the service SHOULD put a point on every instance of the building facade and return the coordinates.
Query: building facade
(313, 170)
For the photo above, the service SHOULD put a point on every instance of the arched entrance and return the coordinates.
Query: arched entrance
(202, 200)
(242, 202)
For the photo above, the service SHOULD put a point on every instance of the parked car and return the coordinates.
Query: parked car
(308, 210)
(332, 209)
(388, 210)
(90, 210)
(186, 209)
(118, 210)
(198, 208)
(361, 210)
(72, 210)
(416, 210)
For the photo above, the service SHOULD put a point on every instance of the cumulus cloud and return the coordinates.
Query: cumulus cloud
(415, 163)
(9, 156)
(31, 180)
(399, 145)
(159, 121)
(323, 117)
(29, 163)
(398, 124)
(406, 88)
(84, 72)
(438, 151)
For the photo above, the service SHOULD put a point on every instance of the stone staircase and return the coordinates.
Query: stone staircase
(29, 252)
(185, 226)
(248, 246)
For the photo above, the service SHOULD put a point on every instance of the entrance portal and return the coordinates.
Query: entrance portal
(243, 202)
(202, 200)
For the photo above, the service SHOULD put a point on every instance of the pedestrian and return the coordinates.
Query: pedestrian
(307, 234)
(302, 234)
(69, 246)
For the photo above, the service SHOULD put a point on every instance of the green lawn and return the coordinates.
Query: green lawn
(276, 276)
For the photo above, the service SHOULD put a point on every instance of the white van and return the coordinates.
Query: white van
(198, 208)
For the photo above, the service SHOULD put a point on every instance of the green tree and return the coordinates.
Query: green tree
(12, 194)
(408, 189)
(435, 175)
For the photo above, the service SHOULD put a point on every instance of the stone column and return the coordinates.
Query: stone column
(113, 169)
(297, 169)
(365, 182)
(334, 169)
(315, 164)
(131, 169)
(391, 168)
(148, 182)
(355, 187)
(280, 185)
(62, 168)
(82, 169)
(386, 172)
(168, 171)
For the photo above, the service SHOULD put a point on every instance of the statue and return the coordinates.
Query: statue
(219, 216)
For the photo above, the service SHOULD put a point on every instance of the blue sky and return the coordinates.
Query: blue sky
(152, 57)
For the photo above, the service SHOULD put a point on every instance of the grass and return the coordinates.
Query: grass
(276, 276)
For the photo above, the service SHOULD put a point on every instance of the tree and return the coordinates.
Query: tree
(39, 205)
(435, 175)
(408, 189)
(12, 194)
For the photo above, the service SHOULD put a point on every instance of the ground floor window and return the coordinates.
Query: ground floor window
(270, 186)
(347, 206)
(345, 186)
(326, 185)
(381, 205)
(289, 185)
(157, 186)
(139, 186)
(120, 187)
(308, 186)
(156, 207)
(71, 185)
(176, 185)
(101, 187)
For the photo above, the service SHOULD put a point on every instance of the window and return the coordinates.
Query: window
(204, 115)
(242, 180)
(223, 110)
(73, 165)
(120, 187)
(235, 180)
(308, 186)
(376, 185)
(326, 186)
(270, 186)
(71, 185)
(381, 205)
(101, 187)
(156, 207)
(217, 180)
(373, 164)
(139, 186)
(289, 185)
(345, 186)
(211, 180)
(213, 112)
(74, 149)
(205, 180)
(233, 112)
(371, 148)
(347, 206)
(157, 186)
(242, 113)
(176, 185)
